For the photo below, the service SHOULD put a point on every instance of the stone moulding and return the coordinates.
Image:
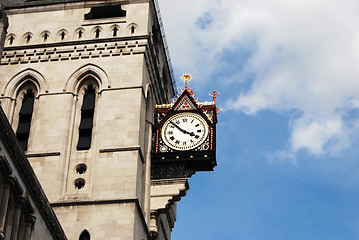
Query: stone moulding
(74, 50)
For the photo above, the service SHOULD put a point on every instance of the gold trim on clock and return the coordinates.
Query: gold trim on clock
(184, 131)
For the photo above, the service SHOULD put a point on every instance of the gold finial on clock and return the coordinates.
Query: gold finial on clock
(186, 77)
(214, 95)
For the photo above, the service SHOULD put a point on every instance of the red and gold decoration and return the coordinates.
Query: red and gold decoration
(184, 135)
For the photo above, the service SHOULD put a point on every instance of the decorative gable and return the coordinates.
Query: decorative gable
(185, 103)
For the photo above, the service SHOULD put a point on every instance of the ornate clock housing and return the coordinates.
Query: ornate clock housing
(184, 131)
(184, 138)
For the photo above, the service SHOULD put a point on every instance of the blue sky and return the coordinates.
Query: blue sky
(287, 137)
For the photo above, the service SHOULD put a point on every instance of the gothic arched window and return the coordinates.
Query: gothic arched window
(25, 115)
(80, 33)
(45, 36)
(132, 29)
(86, 122)
(114, 31)
(97, 33)
(28, 38)
(62, 35)
(85, 235)
(11, 39)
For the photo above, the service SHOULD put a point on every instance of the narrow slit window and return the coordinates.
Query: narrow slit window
(80, 34)
(45, 36)
(115, 31)
(62, 35)
(11, 40)
(28, 38)
(25, 115)
(132, 29)
(86, 123)
(97, 33)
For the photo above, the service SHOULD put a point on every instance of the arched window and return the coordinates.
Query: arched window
(85, 235)
(11, 39)
(25, 115)
(45, 36)
(80, 34)
(114, 31)
(86, 122)
(62, 35)
(97, 33)
(28, 38)
(132, 29)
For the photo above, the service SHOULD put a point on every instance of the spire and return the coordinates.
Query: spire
(214, 95)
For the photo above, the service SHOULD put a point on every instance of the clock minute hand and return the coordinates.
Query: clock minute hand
(182, 130)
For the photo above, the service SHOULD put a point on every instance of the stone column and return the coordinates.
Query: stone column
(153, 226)
(3, 209)
(20, 202)
(29, 226)
(9, 217)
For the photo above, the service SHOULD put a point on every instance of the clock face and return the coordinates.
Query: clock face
(184, 131)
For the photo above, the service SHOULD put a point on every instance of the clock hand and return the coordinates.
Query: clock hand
(182, 130)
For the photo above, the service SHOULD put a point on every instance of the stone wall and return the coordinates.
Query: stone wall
(58, 54)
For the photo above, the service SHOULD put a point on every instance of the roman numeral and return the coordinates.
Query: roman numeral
(185, 120)
(199, 131)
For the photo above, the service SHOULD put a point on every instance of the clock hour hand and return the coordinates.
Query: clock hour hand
(182, 130)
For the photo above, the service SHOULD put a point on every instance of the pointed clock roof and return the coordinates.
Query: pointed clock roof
(185, 102)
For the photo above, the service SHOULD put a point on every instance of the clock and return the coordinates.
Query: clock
(184, 131)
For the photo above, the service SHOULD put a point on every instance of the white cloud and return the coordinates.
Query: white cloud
(314, 135)
(282, 157)
(303, 57)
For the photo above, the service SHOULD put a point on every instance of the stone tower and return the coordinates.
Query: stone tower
(78, 83)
